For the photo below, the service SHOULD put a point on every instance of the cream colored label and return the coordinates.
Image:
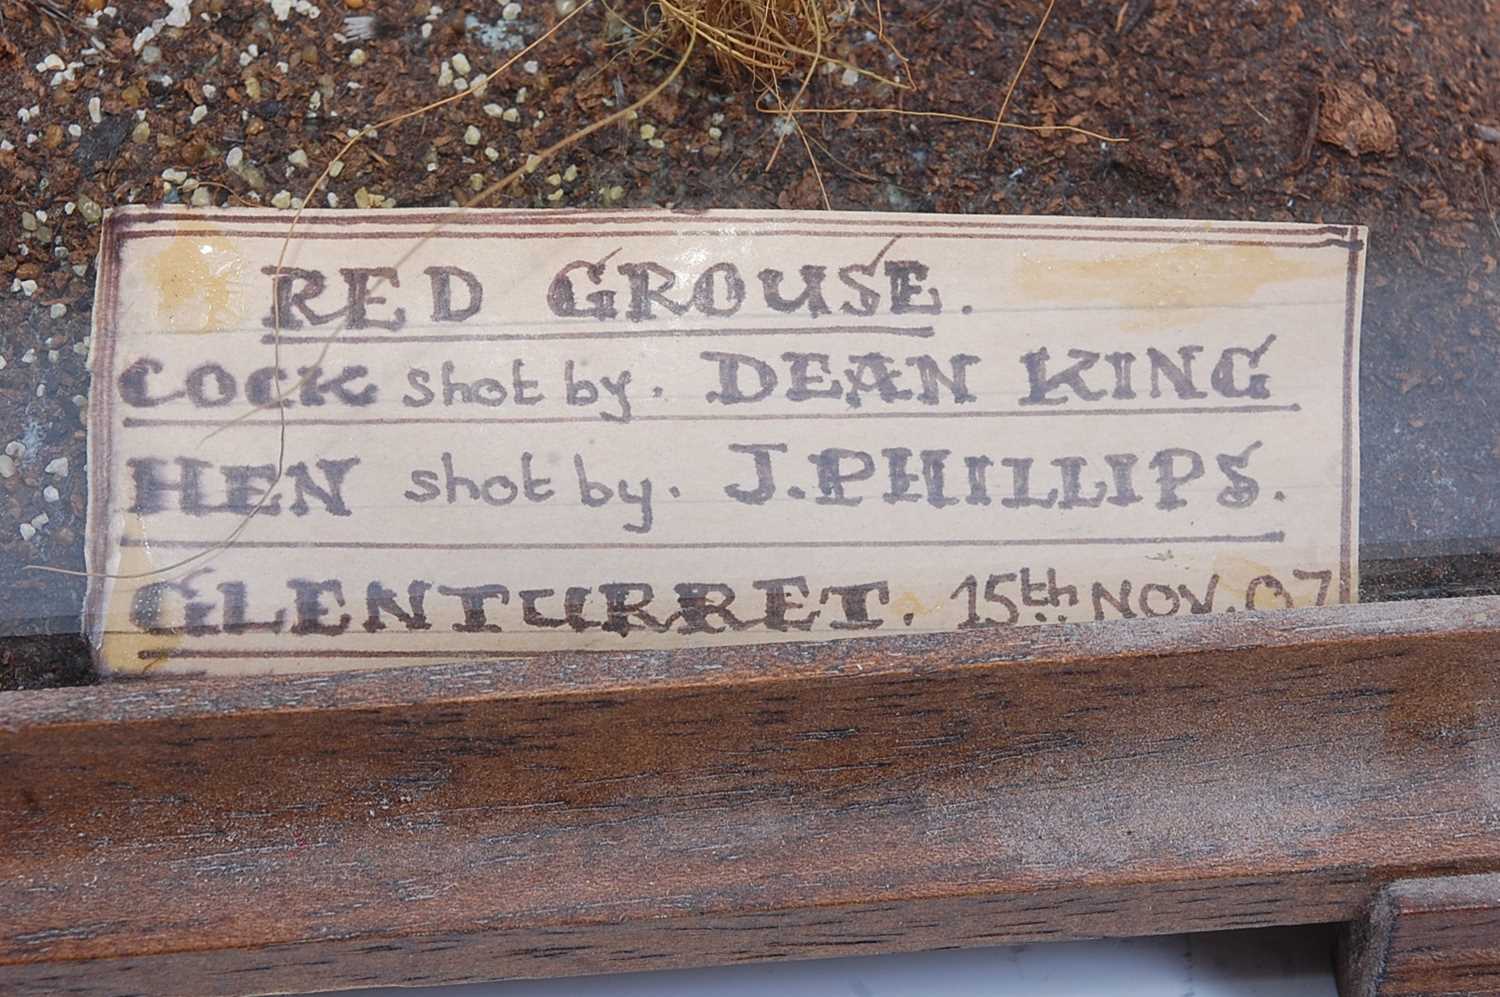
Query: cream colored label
(483, 433)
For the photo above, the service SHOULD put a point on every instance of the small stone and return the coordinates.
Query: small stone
(513, 10)
(555, 179)
(51, 494)
(174, 175)
(472, 136)
(335, 168)
(281, 199)
(298, 158)
(252, 87)
(150, 55)
(202, 198)
(850, 77)
(95, 114)
(27, 531)
(7, 466)
(57, 466)
(75, 131)
(648, 132)
(570, 174)
(358, 57)
(1355, 122)
(28, 221)
(40, 519)
(58, 310)
(555, 196)
(90, 210)
(199, 113)
(615, 193)
(532, 162)
(494, 110)
(141, 133)
(715, 133)
(362, 198)
(531, 66)
(511, 115)
(235, 158)
(460, 63)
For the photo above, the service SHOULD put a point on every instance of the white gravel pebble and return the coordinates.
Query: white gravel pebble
(7, 466)
(27, 531)
(57, 466)
(51, 494)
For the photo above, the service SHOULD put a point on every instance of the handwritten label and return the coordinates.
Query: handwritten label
(465, 435)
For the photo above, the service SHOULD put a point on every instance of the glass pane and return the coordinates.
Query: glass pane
(1390, 130)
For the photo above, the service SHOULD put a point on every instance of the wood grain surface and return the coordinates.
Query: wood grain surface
(1426, 937)
(571, 814)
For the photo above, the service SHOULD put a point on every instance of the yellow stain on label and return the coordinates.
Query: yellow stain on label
(1186, 276)
(907, 603)
(126, 648)
(198, 284)
(1236, 574)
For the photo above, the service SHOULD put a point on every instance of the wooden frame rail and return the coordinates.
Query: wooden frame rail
(577, 814)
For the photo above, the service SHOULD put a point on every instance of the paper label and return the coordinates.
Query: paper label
(486, 433)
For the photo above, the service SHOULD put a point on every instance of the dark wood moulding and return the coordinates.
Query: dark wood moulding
(1426, 936)
(568, 814)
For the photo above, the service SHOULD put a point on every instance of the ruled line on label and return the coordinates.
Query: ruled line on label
(137, 422)
(407, 331)
(1274, 537)
(390, 339)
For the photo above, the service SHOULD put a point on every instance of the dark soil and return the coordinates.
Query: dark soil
(1234, 109)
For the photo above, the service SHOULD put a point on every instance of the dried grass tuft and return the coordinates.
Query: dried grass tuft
(764, 39)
